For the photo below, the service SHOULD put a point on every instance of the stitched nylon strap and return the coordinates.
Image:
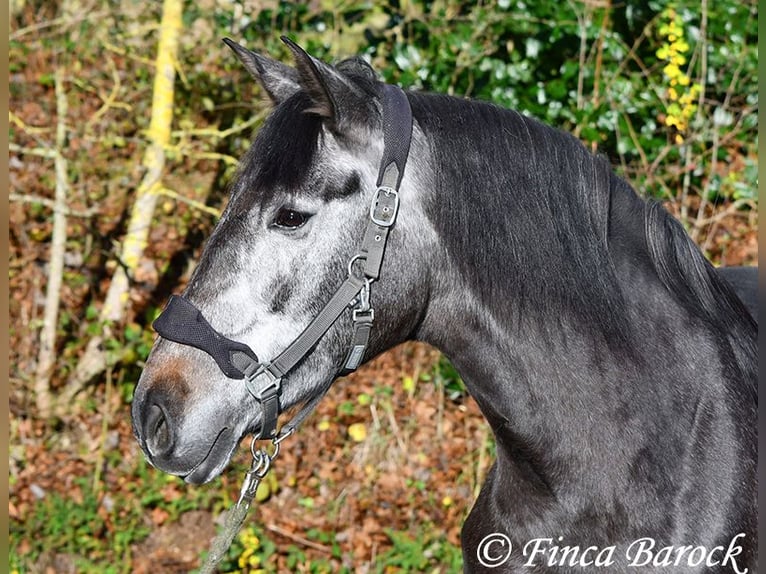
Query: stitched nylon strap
(362, 330)
(269, 399)
(397, 134)
(305, 342)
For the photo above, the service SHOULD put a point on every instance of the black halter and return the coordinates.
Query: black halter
(183, 323)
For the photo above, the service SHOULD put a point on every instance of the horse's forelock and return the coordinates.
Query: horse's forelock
(285, 151)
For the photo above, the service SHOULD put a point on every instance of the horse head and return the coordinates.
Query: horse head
(291, 232)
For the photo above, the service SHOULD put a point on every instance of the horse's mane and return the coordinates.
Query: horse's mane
(694, 281)
(530, 205)
(282, 154)
(523, 209)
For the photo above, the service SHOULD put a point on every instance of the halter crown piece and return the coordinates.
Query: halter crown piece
(183, 323)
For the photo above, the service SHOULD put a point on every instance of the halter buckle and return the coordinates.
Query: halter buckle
(363, 315)
(384, 206)
(257, 391)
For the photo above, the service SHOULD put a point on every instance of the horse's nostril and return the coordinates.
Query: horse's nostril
(161, 434)
(158, 431)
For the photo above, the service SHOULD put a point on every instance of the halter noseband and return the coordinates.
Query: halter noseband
(183, 323)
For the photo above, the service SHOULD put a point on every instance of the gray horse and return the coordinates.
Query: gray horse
(616, 368)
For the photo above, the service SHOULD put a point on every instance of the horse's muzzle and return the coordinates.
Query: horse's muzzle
(194, 445)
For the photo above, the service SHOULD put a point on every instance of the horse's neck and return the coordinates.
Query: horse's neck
(574, 415)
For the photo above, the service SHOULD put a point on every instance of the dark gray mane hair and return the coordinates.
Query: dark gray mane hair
(526, 204)
(530, 206)
(686, 273)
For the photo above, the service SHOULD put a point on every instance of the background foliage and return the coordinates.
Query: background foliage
(667, 89)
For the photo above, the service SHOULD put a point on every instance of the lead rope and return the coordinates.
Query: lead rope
(234, 517)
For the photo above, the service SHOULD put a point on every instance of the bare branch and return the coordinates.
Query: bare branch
(299, 539)
(227, 159)
(37, 151)
(110, 101)
(188, 201)
(219, 134)
(64, 21)
(51, 203)
(47, 354)
(731, 210)
(31, 130)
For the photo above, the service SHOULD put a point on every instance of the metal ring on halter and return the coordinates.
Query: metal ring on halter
(262, 452)
(261, 464)
(256, 454)
(282, 436)
(354, 259)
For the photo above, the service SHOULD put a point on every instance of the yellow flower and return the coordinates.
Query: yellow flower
(243, 558)
(671, 71)
(680, 46)
(249, 539)
(251, 542)
(674, 29)
(681, 105)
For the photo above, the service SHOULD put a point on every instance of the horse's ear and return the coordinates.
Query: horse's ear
(278, 80)
(331, 92)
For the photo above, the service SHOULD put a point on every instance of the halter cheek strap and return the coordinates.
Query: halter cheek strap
(183, 323)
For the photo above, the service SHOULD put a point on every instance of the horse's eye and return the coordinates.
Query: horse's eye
(290, 219)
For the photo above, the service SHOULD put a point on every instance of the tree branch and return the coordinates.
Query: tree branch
(188, 201)
(47, 353)
(23, 198)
